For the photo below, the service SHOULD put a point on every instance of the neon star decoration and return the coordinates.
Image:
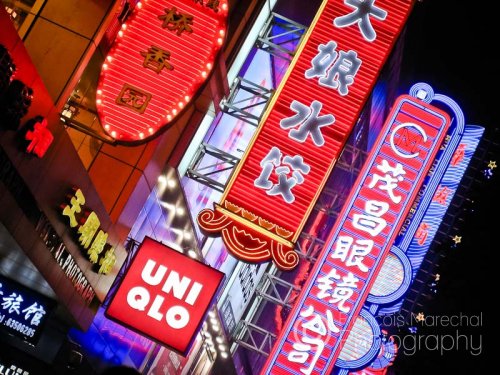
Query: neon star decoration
(457, 239)
(160, 60)
(492, 164)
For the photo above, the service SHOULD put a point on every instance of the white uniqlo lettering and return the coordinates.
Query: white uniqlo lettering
(176, 316)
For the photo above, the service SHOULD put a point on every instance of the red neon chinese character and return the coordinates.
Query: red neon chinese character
(213, 4)
(40, 138)
(441, 195)
(458, 156)
(422, 233)
(176, 21)
(156, 59)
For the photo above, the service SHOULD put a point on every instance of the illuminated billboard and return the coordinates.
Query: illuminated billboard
(23, 312)
(160, 60)
(417, 243)
(309, 119)
(164, 295)
(329, 307)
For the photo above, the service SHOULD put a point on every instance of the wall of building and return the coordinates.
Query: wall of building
(33, 188)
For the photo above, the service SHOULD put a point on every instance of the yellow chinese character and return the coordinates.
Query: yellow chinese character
(88, 229)
(213, 4)
(156, 59)
(174, 20)
(133, 98)
(97, 246)
(107, 262)
(76, 201)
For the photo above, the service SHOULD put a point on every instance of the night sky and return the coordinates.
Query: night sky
(450, 45)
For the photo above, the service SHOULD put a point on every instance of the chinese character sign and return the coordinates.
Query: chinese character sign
(164, 295)
(160, 60)
(360, 240)
(443, 196)
(23, 312)
(275, 186)
(91, 238)
(38, 136)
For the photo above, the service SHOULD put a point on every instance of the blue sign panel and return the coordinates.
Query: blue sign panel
(23, 312)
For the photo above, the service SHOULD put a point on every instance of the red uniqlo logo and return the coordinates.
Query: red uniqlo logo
(164, 295)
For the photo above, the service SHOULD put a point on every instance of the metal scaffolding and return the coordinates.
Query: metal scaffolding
(255, 338)
(247, 101)
(212, 167)
(277, 33)
(276, 290)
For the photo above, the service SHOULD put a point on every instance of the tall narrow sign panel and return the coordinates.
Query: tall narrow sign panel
(275, 186)
(360, 240)
(161, 58)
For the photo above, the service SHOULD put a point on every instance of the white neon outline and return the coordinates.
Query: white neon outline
(404, 125)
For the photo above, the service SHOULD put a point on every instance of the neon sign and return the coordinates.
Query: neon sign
(360, 240)
(90, 237)
(417, 243)
(275, 186)
(23, 312)
(38, 136)
(159, 62)
(164, 295)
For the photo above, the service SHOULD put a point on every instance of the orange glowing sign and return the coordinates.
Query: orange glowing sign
(158, 63)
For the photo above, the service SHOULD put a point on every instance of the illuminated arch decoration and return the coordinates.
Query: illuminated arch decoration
(243, 239)
(160, 60)
(380, 365)
(393, 280)
(304, 129)
(363, 343)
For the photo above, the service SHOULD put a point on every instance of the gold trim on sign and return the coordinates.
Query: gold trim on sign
(253, 226)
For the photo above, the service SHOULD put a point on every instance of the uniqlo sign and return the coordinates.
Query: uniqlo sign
(164, 295)
(304, 129)
(332, 297)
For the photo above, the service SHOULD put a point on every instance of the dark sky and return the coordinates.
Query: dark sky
(451, 45)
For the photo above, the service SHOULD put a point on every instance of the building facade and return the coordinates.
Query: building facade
(76, 206)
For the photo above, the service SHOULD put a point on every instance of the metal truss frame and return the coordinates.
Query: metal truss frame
(207, 173)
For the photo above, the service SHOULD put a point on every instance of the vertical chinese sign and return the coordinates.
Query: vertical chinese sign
(420, 243)
(91, 237)
(360, 240)
(275, 186)
(160, 60)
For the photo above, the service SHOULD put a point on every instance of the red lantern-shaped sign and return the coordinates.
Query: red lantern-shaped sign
(158, 63)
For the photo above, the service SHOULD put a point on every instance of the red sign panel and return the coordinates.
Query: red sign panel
(276, 185)
(164, 295)
(360, 240)
(160, 60)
